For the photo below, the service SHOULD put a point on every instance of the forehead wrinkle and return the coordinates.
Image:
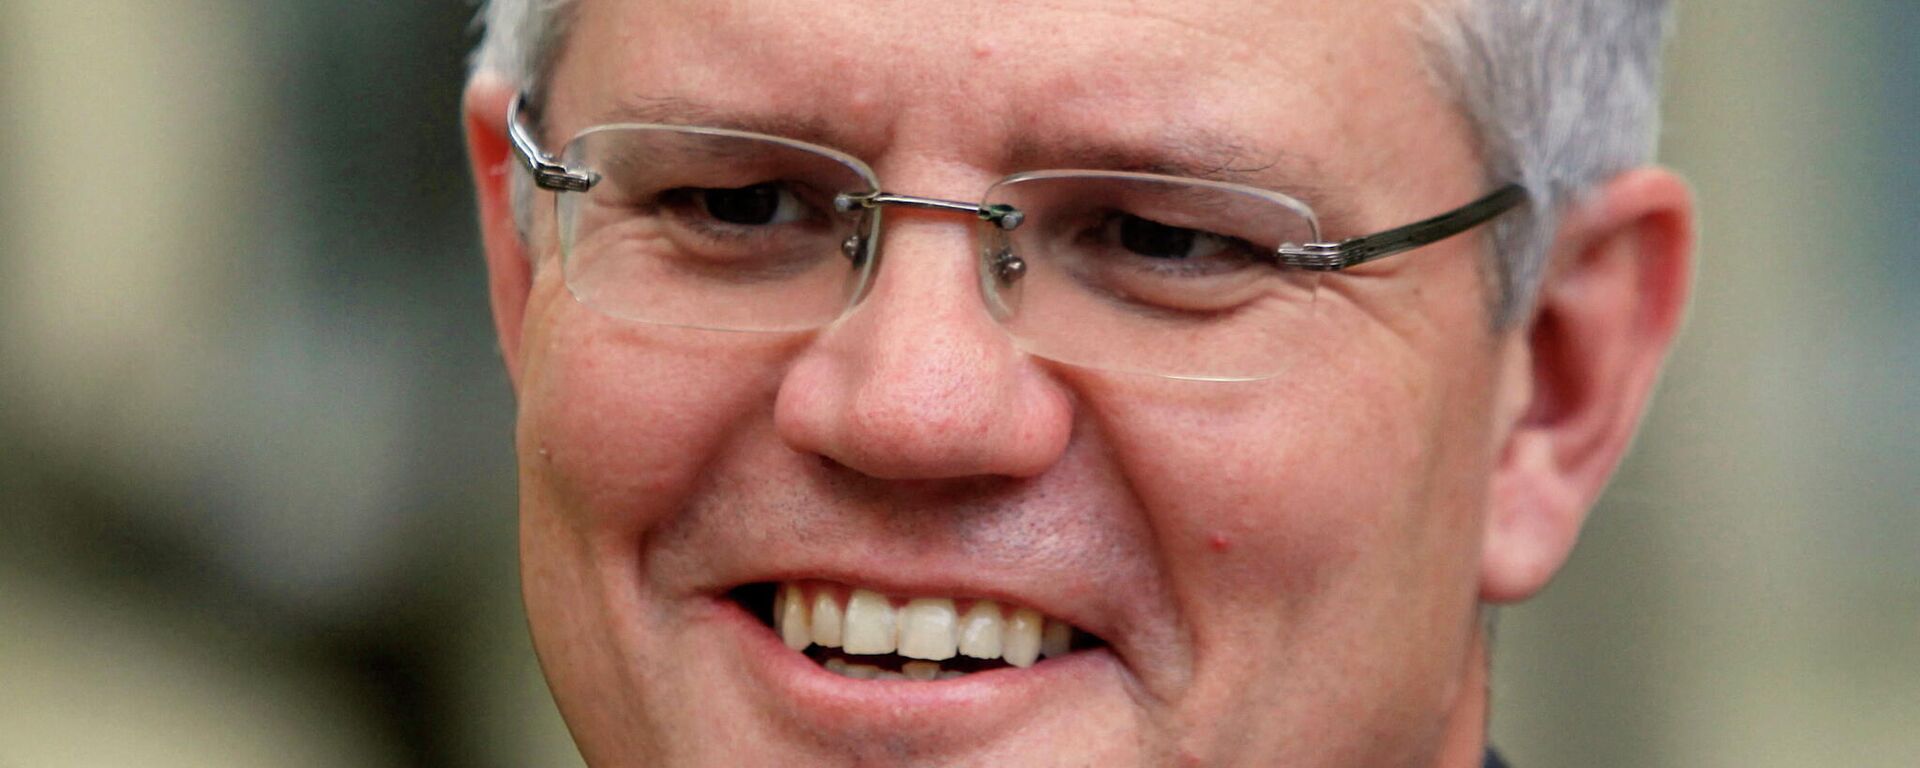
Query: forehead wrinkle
(1228, 29)
(1198, 154)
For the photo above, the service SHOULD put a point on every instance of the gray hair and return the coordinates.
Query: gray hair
(1563, 95)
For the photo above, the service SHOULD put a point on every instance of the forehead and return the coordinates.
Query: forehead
(1336, 89)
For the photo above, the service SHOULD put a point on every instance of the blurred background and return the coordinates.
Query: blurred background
(256, 482)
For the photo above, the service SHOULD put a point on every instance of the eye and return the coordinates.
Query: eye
(766, 203)
(1152, 239)
(1149, 239)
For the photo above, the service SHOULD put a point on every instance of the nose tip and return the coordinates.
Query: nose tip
(920, 383)
(948, 412)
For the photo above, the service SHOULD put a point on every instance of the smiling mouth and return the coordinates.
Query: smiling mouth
(862, 634)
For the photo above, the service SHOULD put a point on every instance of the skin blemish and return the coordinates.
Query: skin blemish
(983, 50)
(1219, 543)
(863, 104)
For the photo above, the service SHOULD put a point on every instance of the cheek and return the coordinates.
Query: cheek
(1313, 531)
(1277, 499)
(619, 419)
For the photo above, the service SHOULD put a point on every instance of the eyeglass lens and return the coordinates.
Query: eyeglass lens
(1124, 272)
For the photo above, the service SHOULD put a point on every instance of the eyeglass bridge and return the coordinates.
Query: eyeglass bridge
(1006, 217)
(1006, 266)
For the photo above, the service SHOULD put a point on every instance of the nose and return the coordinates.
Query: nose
(919, 382)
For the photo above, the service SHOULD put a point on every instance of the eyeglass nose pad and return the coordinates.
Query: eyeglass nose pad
(1000, 275)
(1007, 267)
(855, 249)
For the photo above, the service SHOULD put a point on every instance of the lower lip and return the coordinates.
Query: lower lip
(976, 704)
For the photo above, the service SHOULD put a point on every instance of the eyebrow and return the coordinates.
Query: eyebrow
(1198, 153)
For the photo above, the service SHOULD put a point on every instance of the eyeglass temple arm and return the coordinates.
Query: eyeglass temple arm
(547, 174)
(1328, 257)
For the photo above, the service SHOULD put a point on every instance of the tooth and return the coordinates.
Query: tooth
(926, 629)
(921, 670)
(1056, 639)
(793, 619)
(861, 671)
(869, 624)
(949, 674)
(836, 665)
(826, 620)
(889, 676)
(980, 630)
(1020, 644)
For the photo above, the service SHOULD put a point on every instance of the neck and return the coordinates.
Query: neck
(1464, 734)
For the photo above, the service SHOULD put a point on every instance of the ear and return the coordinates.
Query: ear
(509, 269)
(1582, 370)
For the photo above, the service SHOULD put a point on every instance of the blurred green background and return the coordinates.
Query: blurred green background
(256, 486)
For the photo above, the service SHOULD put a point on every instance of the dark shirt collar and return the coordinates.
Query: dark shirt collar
(1494, 761)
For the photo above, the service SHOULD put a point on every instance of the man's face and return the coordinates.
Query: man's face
(1281, 572)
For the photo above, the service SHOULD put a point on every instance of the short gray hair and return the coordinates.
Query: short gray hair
(1563, 95)
(521, 39)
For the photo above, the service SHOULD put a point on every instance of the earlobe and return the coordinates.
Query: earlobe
(1602, 324)
(509, 268)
